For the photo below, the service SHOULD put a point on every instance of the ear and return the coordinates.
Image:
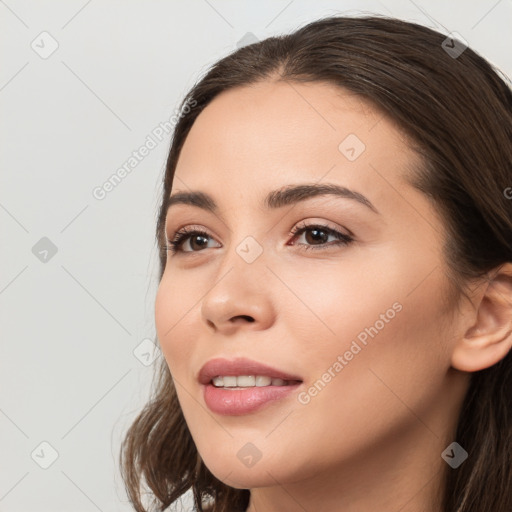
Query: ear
(489, 336)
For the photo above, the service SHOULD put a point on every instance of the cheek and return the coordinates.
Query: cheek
(390, 355)
(374, 395)
(327, 304)
(175, 329)
(358, 326)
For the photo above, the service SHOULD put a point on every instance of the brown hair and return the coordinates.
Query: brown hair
(457, 111)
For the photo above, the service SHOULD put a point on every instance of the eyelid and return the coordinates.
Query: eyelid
(182, 235)
(309, 222)
(303, 223)
(188, 227)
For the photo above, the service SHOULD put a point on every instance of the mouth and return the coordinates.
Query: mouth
(243, 372)
(244, 386)
(249, 381)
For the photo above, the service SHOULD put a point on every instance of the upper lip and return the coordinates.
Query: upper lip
(240, 366)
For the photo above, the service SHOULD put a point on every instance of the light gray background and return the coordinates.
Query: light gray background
(70, 325)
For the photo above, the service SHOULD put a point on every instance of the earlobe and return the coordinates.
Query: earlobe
(489, 339)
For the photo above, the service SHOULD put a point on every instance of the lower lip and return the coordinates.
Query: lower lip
(235, 402)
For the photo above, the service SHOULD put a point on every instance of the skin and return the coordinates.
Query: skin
(372, 438)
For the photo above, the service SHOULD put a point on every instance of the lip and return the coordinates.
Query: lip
(240, 366)
(236, 401)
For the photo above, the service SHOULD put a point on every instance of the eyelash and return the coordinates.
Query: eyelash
(184, 233)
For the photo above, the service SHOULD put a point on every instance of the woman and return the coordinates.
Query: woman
(341, 338)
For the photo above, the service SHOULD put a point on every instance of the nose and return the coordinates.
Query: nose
(239, 300)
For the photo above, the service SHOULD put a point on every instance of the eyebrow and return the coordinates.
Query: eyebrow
(279, 198)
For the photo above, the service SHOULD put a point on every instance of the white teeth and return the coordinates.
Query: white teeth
(263, 380)
(230, 382)
(246, 381)
(218, 381)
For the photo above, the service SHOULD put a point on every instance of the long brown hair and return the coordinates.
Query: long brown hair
(457, 111)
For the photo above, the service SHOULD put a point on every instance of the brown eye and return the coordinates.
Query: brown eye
(318, 236)
(197, 239)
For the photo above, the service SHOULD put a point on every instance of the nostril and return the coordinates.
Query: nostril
(246, 317)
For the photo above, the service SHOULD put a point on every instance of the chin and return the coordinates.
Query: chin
(232, 471)
(246, 478)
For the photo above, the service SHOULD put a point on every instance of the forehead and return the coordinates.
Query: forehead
(263, 136)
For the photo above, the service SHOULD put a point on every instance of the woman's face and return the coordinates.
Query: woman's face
(362, 324)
